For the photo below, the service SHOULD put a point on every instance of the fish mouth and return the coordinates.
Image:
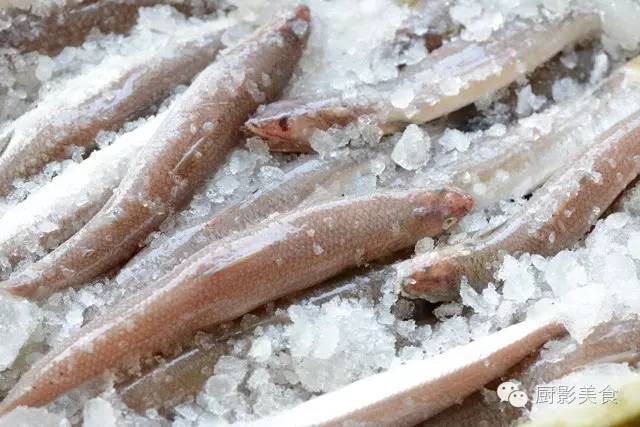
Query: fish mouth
(460, 203)
(18, 288)
(435, 283)
(277, 138)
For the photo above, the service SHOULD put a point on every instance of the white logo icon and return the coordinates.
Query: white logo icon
(505, 389)
(518, 398)
(510, 392)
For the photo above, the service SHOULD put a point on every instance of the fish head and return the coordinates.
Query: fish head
(288, 125)
(431, 277)
(442, 210)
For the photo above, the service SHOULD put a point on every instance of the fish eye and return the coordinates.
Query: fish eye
(449, 222)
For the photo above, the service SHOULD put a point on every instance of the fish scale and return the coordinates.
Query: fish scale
(231, 277)
(476, 70)
(67, 121)
(168, 170)
(555, 218)
(292, 190)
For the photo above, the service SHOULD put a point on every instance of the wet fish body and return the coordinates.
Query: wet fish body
(56, 211)
(296, 186)
(556, 217)
(181, 378)
(515, 164)
(233, 276)
(70, 24)
(453, 76)
(189, 145)
(420, 389)
(71, 119)
(612, 342)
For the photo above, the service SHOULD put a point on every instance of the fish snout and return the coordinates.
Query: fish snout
(302, 12)
(19, 286)
(298, 23)
(282, 126)
(437, 282)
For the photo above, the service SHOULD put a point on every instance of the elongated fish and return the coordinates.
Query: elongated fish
(56, 211)
(233, 276)
(70, 24)
(516, 163)
(420, 389)
(612, 342)
(182, 377)
(189, 145)
(556, 217)
(294, 188)
(117, 90)
(453, 76)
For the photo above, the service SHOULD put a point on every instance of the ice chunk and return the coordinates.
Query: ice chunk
(424, 245)
(45, 67)
(453, 139)
(633, 245)
(447, 334)
(18, 320)
(600, 68)
(593, 385)
(33, 417)
(99, 413)
(528, 102)
(472, 299)
(324, 142)
(569, 60)
(565, 272)
(228, 184)
(234, 367)
(402, 96)
(564, 89)
(261, 349)
(336, 343)
(618, 22)
(220, 395)
(519, 283)
(413, 149)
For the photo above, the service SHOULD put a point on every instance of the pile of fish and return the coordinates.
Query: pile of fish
(575, 162)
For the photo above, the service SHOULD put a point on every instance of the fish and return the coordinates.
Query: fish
(451, 77)
(556, 217)
(514, 164)
(53, 213)
(72, 117)
(419, 389)
(616, 341)
(295, 187)
(69, 25)
(189, 145)
(233, 276)
(179, 379)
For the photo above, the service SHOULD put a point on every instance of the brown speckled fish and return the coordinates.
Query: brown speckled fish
(557, 216)
(69, 25)
(72, 117)
(457, 74)
(189, 145)
(233, 276)
(180, 379)
(296, 186)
